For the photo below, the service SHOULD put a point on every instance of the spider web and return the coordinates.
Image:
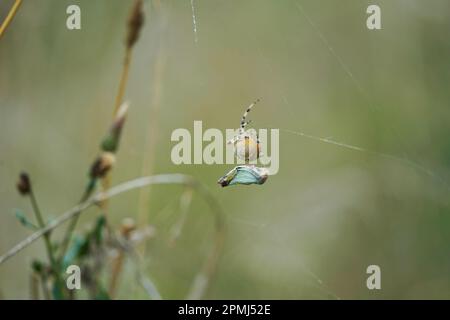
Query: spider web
(405, 160)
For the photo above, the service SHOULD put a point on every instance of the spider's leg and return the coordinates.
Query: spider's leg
(247, 150)
(244, 117)
(258, 146)
(236, 138)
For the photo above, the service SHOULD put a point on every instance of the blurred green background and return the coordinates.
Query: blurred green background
(312, 229)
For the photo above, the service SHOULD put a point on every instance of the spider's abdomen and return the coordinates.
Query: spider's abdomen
(247, 148)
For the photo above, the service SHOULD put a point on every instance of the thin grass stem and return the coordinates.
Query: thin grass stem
(10, 17)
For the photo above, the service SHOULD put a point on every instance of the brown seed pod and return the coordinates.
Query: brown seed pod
(24, 184)
(135, 22)
(102, 165)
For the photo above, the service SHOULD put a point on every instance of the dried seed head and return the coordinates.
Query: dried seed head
(135, 22)
(102, 165)
(24, 184)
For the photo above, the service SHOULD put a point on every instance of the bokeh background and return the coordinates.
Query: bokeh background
(311, 231)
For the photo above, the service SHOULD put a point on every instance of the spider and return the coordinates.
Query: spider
(246, 144)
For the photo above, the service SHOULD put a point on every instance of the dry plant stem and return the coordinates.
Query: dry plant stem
(10, 17)
(202, 280)
(117, 266)
(106, 180)
(106, 184)
(121, 188)
(119, 99)
(148, 286)
(123, 81)
(134, 27)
